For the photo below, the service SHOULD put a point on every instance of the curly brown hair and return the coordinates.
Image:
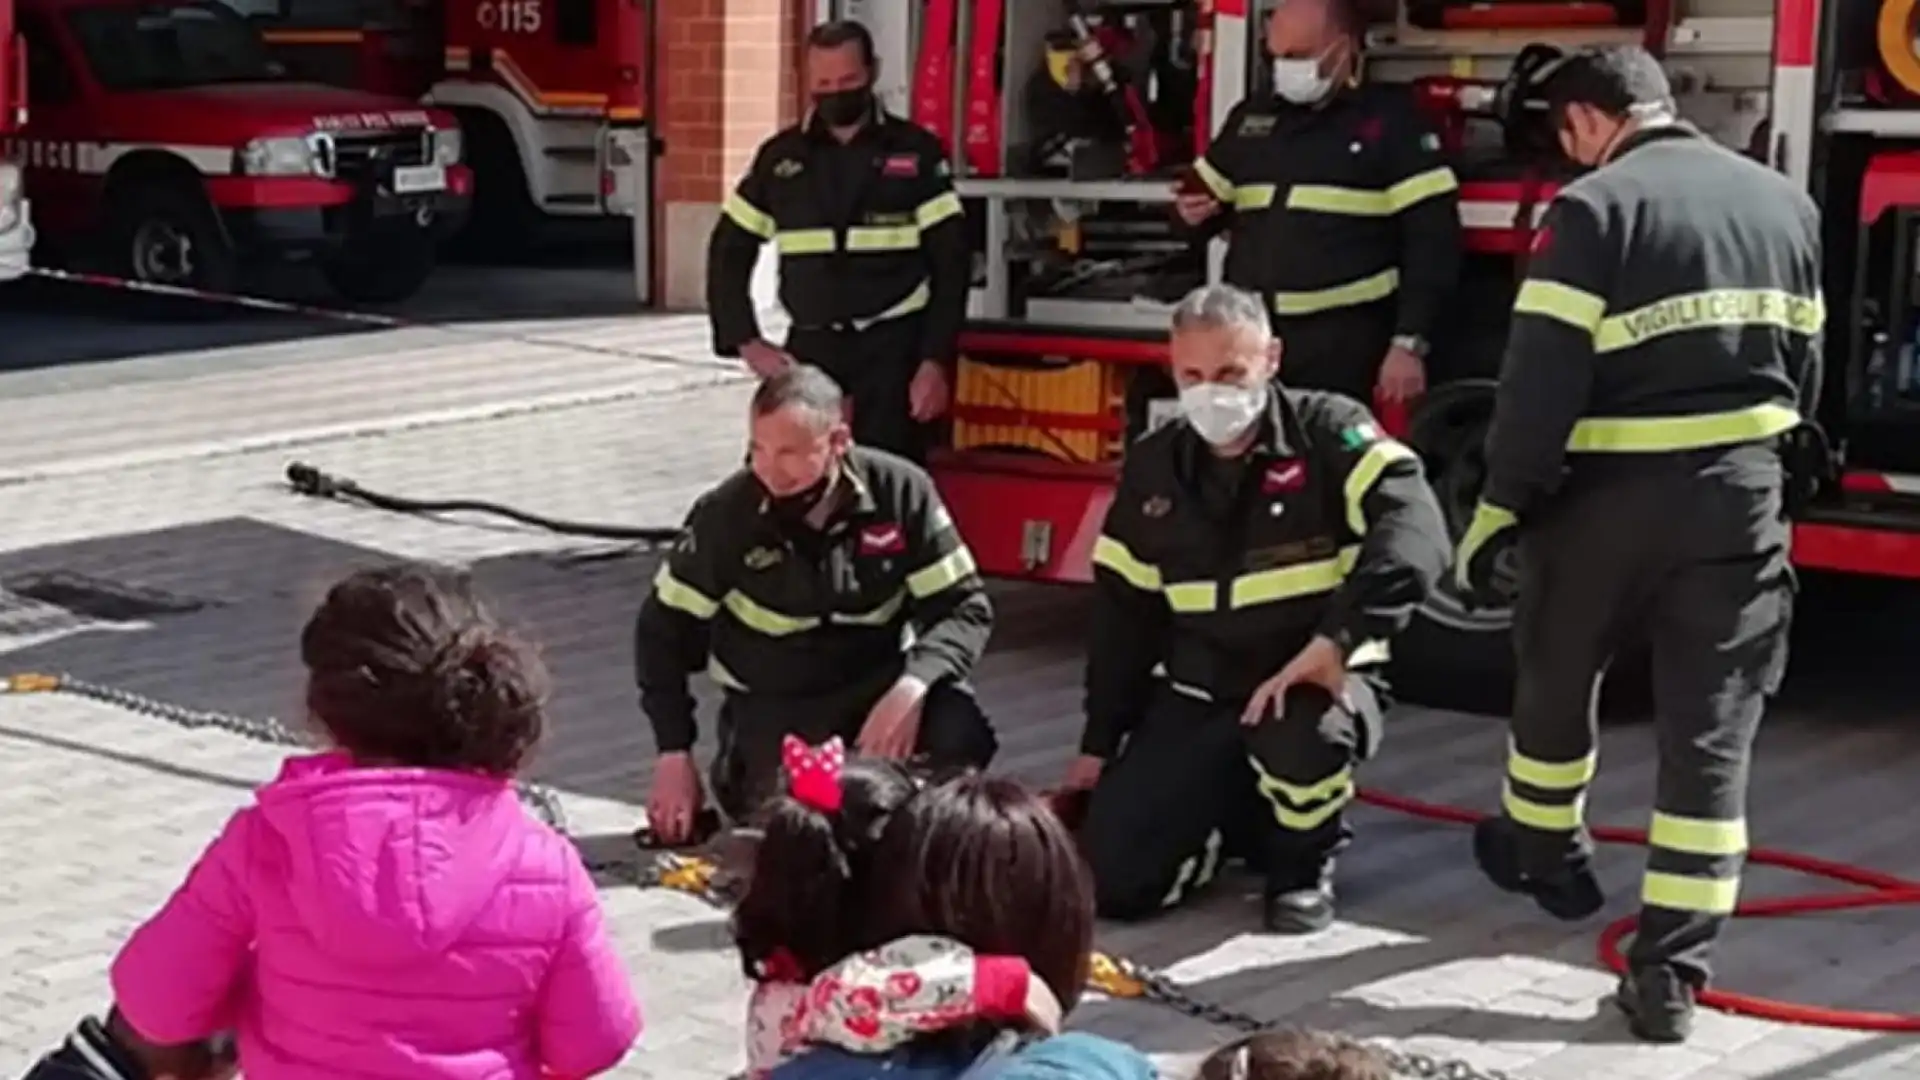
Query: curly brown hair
(407, 666)
(1295, 1055)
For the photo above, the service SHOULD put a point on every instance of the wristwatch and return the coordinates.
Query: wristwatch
(1413, 343)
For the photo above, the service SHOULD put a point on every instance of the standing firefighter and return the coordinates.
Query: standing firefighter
(825, 590)
(1254, 564)
(1664, 341)
(1351, 173)
(874, 261)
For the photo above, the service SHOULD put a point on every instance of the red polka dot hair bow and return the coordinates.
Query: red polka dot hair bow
(813, 772)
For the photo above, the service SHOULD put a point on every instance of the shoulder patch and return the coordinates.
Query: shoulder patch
(1355, 436)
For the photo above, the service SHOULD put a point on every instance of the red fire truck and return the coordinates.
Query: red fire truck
(551, 93)
(165, 143)
(16, 229)
(1079, 261)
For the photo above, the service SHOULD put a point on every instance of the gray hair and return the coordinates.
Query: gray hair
(804, 387)
(1222, 307)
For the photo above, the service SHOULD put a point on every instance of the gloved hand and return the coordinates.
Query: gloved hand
(1482, 567)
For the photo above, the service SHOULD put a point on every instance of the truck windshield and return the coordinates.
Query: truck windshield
(170, 46)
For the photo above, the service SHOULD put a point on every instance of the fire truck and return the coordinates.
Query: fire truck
(1078, 260)
(16, 228)
(552, 94)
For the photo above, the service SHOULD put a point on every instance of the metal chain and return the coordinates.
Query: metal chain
(702, 878)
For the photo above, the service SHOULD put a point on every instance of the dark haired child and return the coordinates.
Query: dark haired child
(1295, 1055)
(388, 908)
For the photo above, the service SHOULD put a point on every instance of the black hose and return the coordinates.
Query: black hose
(310, 481)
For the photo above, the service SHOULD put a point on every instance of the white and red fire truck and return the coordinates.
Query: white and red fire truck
(16, 228)
(1077, 260)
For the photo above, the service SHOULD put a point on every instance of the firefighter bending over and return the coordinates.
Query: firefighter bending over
(1663, 345)
(1351, 173)
(1254, 564)
(874, 259)
(825, 590)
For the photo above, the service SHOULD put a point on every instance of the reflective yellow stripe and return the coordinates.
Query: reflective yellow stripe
(1253, 197)
(1361, 478)
(1552, 775)
(937, 209)
(1678, 892)
(1488, 522)
(765, 620)
(1541, 816)
(1115, 556)
(1283, 583)
(879, 616)
(1286, 799)
(723, 678)
(804, 242)
(1698, 836)
(1664, 434)
(1193, 597)
(1326, 199)
(1712, 309)
(680, 596)
(1368, 289)
(951, 569)
(1197, 871)
(1576, 307)
(1420, 187)
(1216, 181)
(748, 216)
(883, 238)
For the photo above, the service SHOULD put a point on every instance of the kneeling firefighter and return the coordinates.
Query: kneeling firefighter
(1664, 345)
(1254, 564)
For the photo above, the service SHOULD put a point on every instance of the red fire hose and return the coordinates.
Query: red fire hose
(1882, 890)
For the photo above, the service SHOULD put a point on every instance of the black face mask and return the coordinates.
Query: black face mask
(791, 511)
(844, 108)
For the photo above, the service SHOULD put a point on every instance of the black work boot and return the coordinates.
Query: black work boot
(88, 1054)
(1573, 894)
(1659, 1003)
(1299, 902)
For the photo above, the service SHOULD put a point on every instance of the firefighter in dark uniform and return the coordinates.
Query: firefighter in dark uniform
(1339, 209)
(1256, 561)
(874, 257)
(825, 590)
(1664, 343)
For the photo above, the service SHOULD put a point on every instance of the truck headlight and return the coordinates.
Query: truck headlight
(284, 155)
(447, 147)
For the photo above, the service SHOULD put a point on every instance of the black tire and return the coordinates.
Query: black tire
(1452, 657)
(164, 232)
(503, 222)
(384, 266)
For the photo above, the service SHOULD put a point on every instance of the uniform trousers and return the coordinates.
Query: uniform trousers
(874, 366)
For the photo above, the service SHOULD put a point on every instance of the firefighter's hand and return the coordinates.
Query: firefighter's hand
(674, 802)
(928, 395)
(893, 725)
(1403, 376)
(765, 359)
(1194, 208)
(1083, 773)
(1319, 664)
(1483, 572)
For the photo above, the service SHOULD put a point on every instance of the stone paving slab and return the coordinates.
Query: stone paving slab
(101, 811)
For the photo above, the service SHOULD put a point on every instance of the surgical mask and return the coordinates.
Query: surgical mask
(1222, 412)
(1300, 80)
(844, 108)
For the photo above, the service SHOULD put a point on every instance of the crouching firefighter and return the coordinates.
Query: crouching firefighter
(1254, 564)
(1664, 343)
(824, 589)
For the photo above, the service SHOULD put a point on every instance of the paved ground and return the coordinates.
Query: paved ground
(166, 478)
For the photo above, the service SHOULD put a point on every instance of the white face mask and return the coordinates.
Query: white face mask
(1221, 412)
(1299, 80)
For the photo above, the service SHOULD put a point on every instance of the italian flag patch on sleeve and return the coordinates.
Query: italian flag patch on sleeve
(1359, 435)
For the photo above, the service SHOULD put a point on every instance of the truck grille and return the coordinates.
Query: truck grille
(362, 154)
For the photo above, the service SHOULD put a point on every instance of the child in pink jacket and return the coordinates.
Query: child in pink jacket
(389, 909)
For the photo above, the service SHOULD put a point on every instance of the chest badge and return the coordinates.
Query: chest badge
(900, 166)
(1284, 476)
(787, 169)
(762, 558)
(1157, 507)
(884, 539)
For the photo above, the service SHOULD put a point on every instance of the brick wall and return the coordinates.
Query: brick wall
(727, 80)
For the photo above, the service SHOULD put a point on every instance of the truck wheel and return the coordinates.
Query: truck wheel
(1451, 656)
(167, 235)
(381, 267)
(503, 221)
